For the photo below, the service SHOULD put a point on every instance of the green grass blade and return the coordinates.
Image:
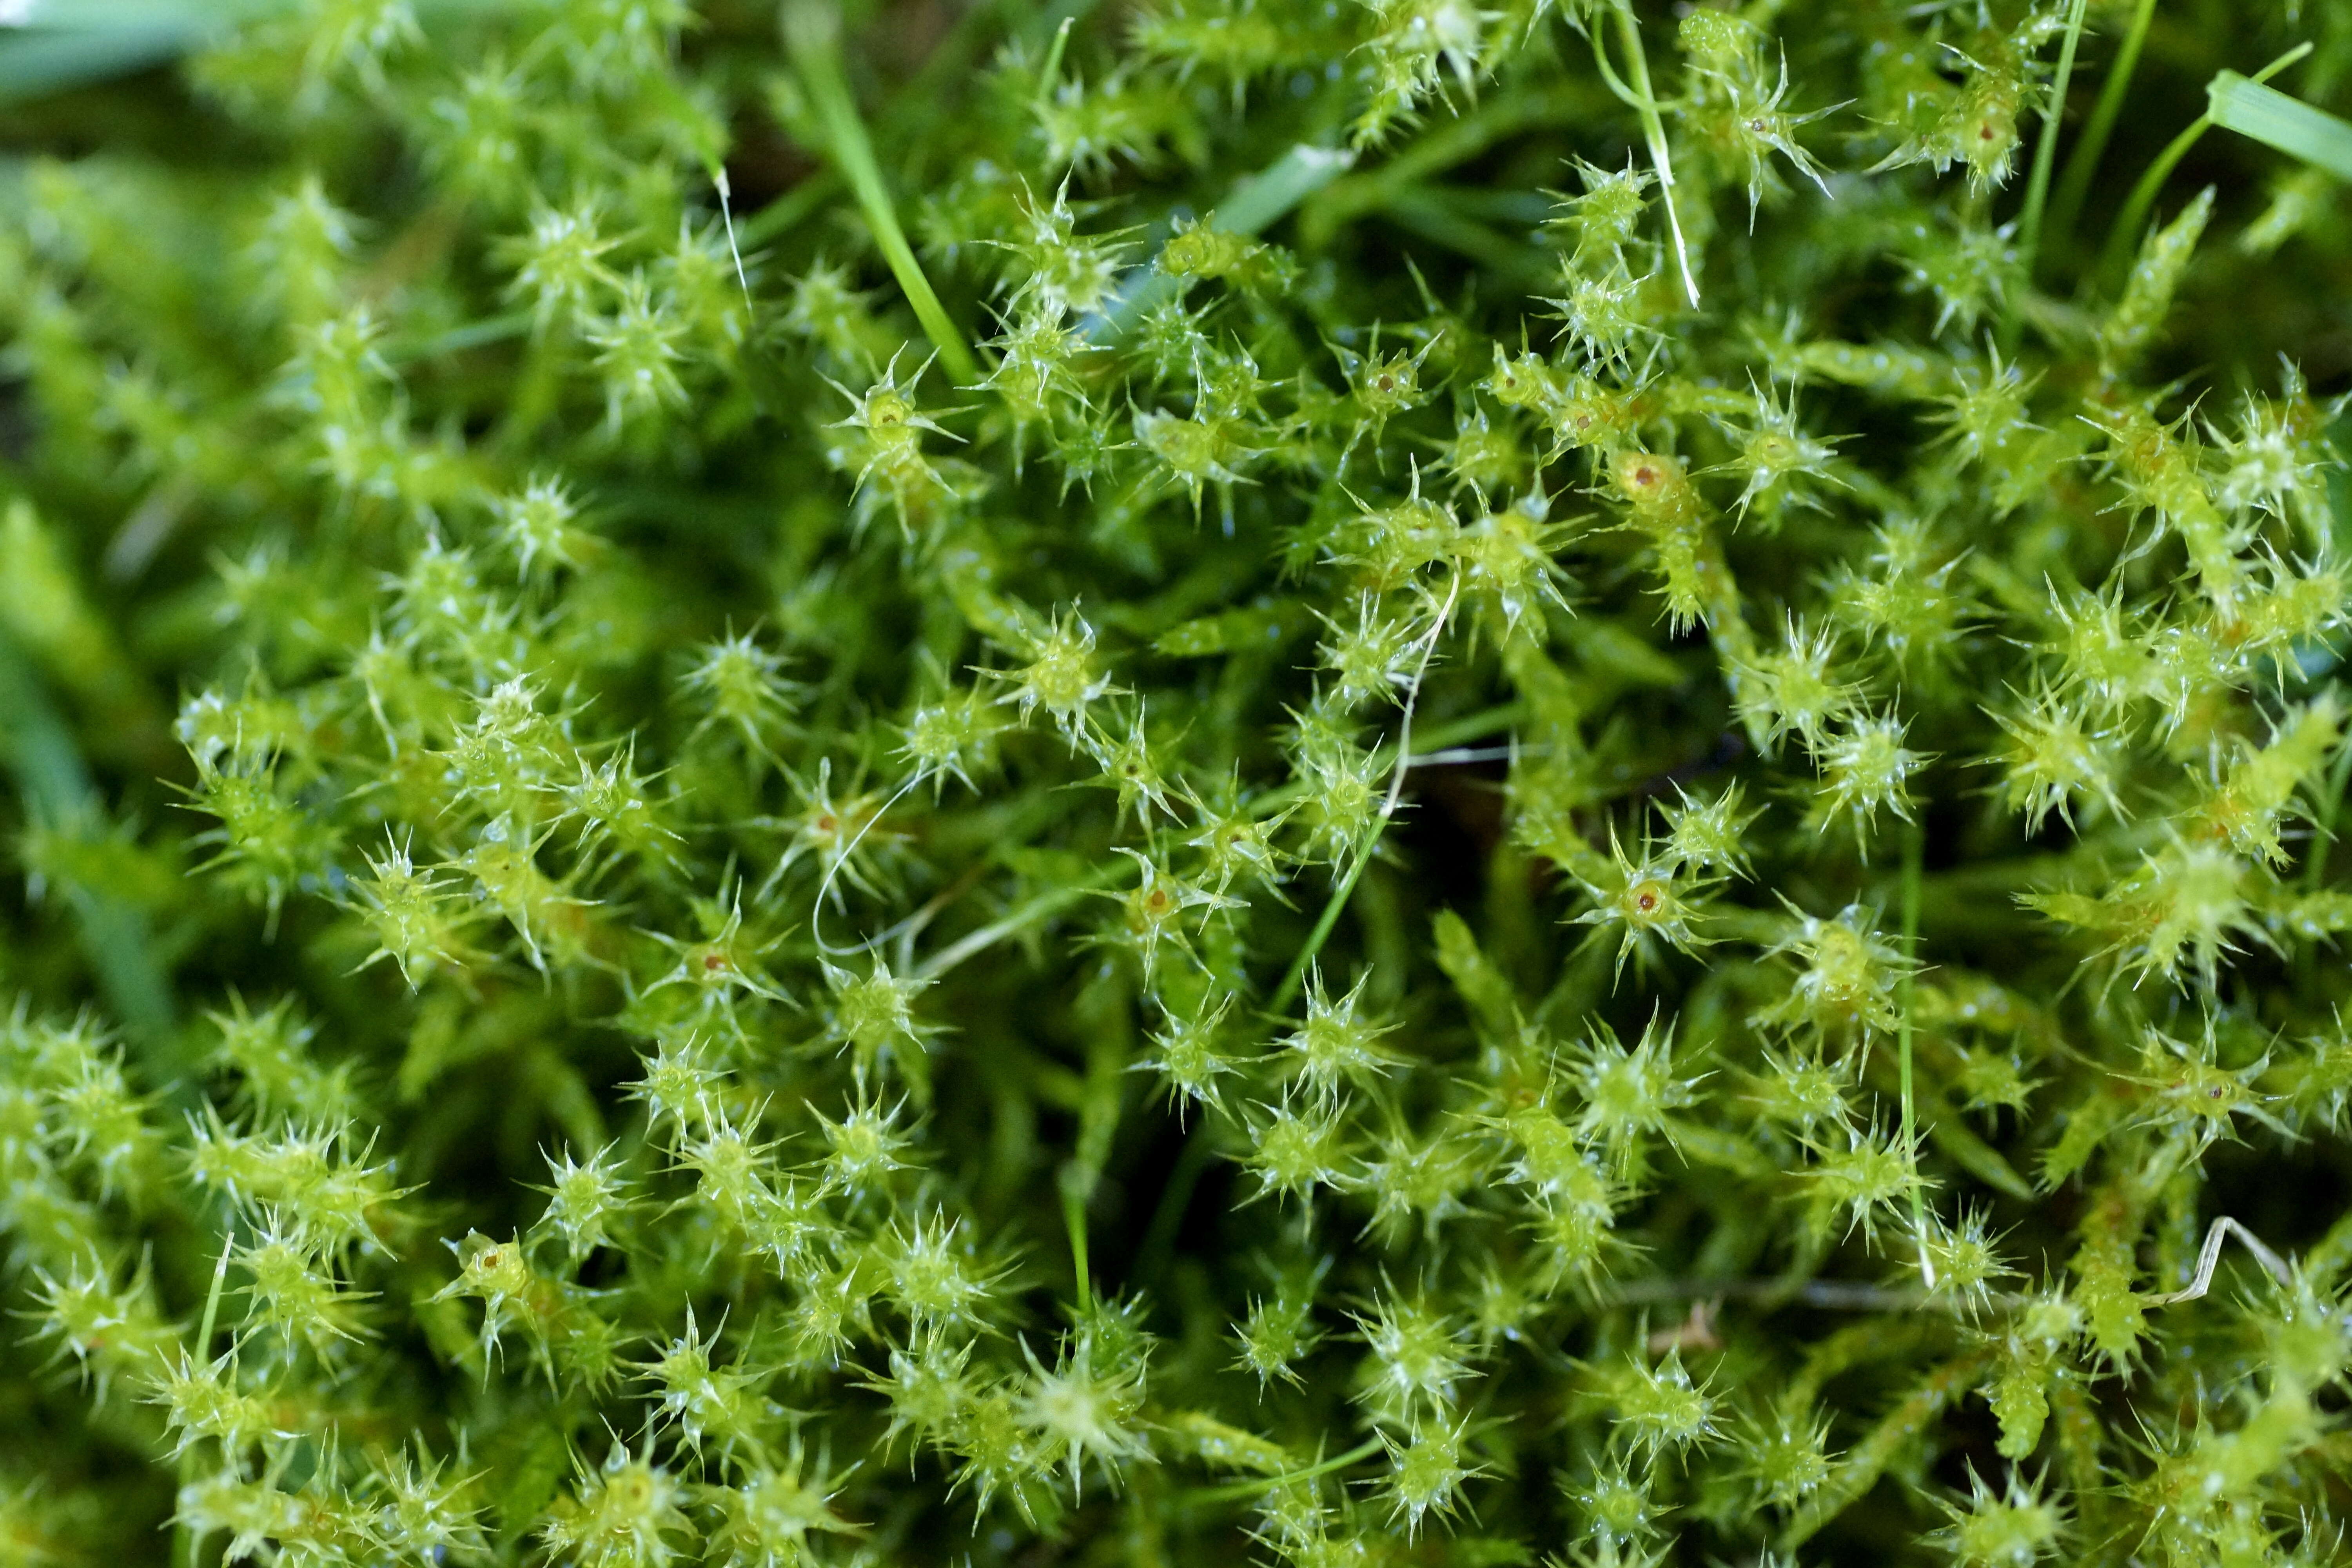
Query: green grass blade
(1644, 102)
(1914, 851)
(2045, 151)
(2121, 239)
(1257, 1484)
(2275, 120)
(2074, 185)
(1249, 209)
(35, 63)
(1263, 198)
(54, 786)
(67, 44)
(1295, 976)
(813, 32)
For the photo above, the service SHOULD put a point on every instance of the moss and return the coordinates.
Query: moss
(1229, 780)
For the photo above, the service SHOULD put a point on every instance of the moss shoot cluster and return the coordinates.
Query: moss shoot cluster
(1324, 783)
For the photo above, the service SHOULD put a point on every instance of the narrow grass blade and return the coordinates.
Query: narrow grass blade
(1914, 851)
(2275, 120)
(54, 786)
(2074, 185)
(1249, 208)
(34, 64)
(62, 44)
(1644, 102)
(2045, 151)
(2115, 260)
(812, 33)
(1256, 203)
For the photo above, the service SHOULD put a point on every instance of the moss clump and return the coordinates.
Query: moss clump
(1356, 782)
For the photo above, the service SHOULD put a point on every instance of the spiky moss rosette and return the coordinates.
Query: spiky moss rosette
(1172, 783)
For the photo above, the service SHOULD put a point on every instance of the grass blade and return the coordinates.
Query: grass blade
(2121, 239)
(2045, 151)
(812, 33)
(2275, 120)
(55, 787)
(1914, 851)
(1248, 209)
(1644, 102)
(2066, 206)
